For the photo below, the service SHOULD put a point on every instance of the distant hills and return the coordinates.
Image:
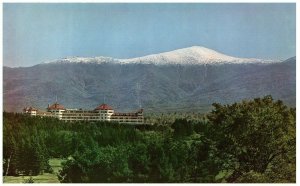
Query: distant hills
(184, 80)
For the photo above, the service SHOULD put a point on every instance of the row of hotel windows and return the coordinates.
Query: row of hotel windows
(113, 119)
(86, 111)
(94, 117)
(121, 121)
(97, 117)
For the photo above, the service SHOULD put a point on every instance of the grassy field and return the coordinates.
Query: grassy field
(44, 178)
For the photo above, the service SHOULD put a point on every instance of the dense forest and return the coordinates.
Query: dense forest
(250, 141)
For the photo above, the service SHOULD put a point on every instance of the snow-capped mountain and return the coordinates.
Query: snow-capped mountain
(99, 60)
(165, 88)
(192, 55)
(195, 81)
(195, 55)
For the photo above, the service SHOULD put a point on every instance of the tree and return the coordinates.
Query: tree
(139, 162)
(252, 135)
(97, 165)
(182, 127)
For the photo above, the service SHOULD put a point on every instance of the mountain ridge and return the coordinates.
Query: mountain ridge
(156, 88)
(195, 55)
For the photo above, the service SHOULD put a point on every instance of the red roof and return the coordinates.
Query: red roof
(104, 107)
(56, 106)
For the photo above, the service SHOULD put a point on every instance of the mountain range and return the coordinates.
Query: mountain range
(183, 80)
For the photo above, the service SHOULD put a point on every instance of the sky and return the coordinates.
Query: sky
(41, 32)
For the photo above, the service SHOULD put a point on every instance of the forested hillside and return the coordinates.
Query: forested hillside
(250, 141)
(156, 88)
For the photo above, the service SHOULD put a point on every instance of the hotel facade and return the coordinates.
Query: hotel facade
(103, 112)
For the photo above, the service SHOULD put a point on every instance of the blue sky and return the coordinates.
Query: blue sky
(35, 33)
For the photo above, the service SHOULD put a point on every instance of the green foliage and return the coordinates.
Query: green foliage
(182, 127)
(23, 146)
(251, 141)
(251, 135)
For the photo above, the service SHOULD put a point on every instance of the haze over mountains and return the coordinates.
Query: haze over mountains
(189, 79)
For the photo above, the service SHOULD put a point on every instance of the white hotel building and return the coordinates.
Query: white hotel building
(103, 112)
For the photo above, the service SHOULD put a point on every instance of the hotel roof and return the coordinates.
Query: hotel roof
(104, 107)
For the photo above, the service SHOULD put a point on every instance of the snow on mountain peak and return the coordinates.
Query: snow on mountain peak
(73, 59)
(191, 55)
(195, 55)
